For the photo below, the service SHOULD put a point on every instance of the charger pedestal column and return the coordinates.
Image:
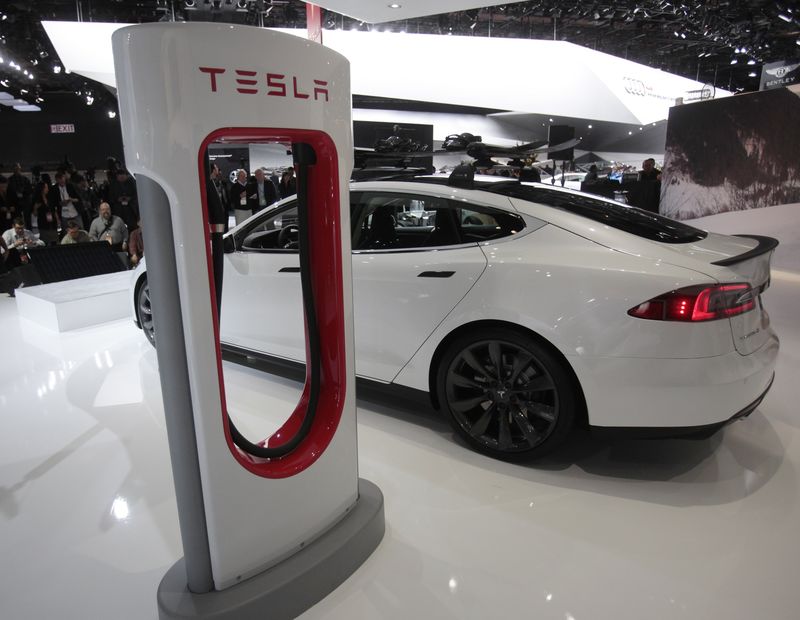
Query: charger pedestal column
(270, 527)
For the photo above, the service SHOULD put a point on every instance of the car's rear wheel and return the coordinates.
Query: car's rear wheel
(145, 311)
(506, 394)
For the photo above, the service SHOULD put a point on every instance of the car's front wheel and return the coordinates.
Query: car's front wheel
(145, 311)
(506, 394)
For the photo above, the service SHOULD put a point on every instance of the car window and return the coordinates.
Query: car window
(275, 232)
(399, 221)
(622, 217)
(480, 223)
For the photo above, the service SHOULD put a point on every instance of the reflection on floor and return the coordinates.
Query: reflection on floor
(633, 529)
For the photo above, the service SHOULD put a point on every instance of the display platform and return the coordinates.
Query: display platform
(64, 306)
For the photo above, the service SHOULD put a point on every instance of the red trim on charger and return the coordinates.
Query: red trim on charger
(327, 280)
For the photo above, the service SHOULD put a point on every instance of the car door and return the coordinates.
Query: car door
(261, 295)
(409, 272)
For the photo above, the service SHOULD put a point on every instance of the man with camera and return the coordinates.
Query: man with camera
(109, 228)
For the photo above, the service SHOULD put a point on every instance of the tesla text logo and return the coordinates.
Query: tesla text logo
(272, 84)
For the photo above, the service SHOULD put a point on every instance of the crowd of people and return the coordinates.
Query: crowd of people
(69, 207)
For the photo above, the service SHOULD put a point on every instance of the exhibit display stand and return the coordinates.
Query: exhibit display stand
(268, 527)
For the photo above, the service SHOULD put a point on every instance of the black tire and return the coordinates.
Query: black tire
(506, 394)
(145, 312)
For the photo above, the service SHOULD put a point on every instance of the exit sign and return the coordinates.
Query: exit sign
(62, 128)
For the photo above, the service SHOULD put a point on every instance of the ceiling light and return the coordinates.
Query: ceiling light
(112, 114)
(589, 126)
(394, 5)
(751, 74)
(24, 91)
(734, 61)
(27, 108)
(630, 133)
(784, 17)
(56, 68)
(751, 62)
(89, 100)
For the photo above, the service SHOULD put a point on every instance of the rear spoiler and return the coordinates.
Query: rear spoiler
(765, 244)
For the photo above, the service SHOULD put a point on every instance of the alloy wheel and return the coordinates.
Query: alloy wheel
(501, 396)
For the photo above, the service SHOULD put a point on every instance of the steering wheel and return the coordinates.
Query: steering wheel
(289, 236)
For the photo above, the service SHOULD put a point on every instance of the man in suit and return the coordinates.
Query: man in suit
(64, 199)
(217, 220)
(260, 192)
(238, 196)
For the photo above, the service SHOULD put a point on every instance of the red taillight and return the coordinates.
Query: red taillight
(697, 303)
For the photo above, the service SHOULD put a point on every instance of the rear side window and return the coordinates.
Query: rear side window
(403, 221)
(629, 219)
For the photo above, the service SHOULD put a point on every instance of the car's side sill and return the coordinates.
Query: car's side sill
(367, 389)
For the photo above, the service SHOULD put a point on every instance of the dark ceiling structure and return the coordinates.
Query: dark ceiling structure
(721, 42)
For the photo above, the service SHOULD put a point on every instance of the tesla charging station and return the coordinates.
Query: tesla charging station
(268, 527)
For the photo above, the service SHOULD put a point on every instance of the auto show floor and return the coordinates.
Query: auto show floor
(704, 529)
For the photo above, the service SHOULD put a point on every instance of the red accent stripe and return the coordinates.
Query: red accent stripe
(325, 231)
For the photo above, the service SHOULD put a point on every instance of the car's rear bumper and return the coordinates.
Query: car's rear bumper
(675, 393)
(692, 432)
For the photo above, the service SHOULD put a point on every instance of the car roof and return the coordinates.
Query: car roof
(482, 185)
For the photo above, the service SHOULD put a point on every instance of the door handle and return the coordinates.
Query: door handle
(435, 274)
(289, 270)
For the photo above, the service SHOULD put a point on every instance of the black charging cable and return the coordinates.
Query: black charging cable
(304, 157)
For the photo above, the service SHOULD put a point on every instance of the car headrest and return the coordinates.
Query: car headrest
(530, 174)
(462, 176)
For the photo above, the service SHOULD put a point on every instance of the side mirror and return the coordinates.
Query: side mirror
(228, 244)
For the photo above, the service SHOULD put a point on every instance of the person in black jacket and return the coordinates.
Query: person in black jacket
(217, 218)
(64, 199)
(238, 195)
(288, 185)
(19, 193)
(260, 192)
(47, 218)
(123, 198)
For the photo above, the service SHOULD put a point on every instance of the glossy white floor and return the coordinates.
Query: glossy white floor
(633, 529)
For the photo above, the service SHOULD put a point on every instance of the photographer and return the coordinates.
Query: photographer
(18, 239)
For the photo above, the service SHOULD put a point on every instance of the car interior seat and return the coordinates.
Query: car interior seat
(446, 230)
(382, 233)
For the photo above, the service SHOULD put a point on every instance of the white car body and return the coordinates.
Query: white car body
(567, 279)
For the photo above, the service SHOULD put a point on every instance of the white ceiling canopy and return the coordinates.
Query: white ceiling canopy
(481, 72)
(377, 11)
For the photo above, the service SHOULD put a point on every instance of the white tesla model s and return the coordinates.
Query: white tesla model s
(522, 309)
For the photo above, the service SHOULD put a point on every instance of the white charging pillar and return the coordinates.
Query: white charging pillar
(262, 537)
